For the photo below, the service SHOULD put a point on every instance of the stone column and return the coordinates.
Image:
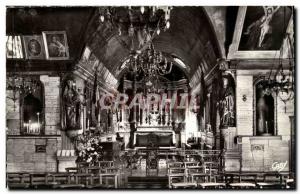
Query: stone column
(244, 104)
(52, 104)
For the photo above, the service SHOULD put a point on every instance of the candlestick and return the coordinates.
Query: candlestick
(38, 115)
(29, 123)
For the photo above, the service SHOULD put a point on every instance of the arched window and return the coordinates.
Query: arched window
(32, 110)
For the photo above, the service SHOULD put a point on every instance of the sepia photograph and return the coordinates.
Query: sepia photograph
(188, 98)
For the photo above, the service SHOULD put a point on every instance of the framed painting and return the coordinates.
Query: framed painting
(56, 45)
(34, 47)
(260, 31)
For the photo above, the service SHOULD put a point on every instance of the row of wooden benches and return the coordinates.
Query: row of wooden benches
(269, 180)
(208, 174)
(63, 180)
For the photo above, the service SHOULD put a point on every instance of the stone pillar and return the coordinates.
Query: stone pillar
(52, 104)
(244, 104)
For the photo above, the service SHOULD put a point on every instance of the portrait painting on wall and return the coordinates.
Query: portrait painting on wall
(34, 47)
(56, 45)
(264, 27)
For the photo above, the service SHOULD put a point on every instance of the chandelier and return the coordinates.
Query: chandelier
(283, 83)
(20, 85)
(144, 20)
(143, 23)
(149, 62)
(23, 85)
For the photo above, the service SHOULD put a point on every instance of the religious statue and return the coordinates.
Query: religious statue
(226, 104)
(262, 111)
(71, 106)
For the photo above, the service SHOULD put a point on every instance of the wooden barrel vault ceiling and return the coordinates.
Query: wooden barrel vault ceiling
(191, 36)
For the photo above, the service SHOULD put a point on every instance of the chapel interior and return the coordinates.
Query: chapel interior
(74, 73)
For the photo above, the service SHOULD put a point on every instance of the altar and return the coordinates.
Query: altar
(160, 137)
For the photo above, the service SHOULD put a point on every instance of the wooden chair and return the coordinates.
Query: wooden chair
(113, 176)
(56, 178)
(177, 174)
(175, 165)
(194, 172)
(72, 169)
(106, 164)
(245, 181)
(212, 185)
(63, 181)
(271, 180)
(38, 180)
(242, 185)
(93, 170)
(74, 181)
(81, 166)
(212, 169)
(189, 164)
(18, 180)
(184, 185)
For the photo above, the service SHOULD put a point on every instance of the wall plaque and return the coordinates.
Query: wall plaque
(40, 148)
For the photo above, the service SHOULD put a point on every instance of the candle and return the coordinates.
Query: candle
(38, 115)
(29, 127)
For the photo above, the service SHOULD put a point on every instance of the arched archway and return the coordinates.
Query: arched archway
(32, 109)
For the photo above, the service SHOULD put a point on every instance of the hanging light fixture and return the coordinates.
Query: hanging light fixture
(286, 81)
(283, 83)
(130, 20)
(283, 80)
(150, 62)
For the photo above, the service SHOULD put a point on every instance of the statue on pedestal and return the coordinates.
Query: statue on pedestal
(227, 103)
(71, 107)
(262, 112)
